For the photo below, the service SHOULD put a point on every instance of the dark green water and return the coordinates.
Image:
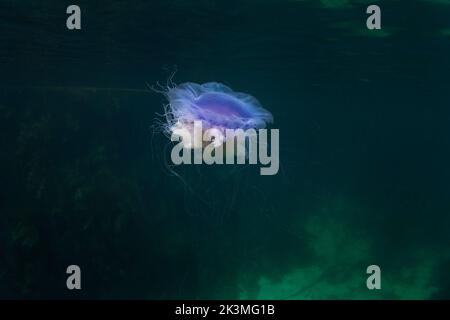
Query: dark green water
(364, 148)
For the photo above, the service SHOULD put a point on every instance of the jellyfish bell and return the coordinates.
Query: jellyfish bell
(217, 106)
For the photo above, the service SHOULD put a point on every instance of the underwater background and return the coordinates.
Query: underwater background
(364, 150)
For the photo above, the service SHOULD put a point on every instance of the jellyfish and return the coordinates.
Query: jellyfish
(219, 109)
(216, 106)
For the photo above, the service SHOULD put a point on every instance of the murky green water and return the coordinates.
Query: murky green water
(364, 149)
